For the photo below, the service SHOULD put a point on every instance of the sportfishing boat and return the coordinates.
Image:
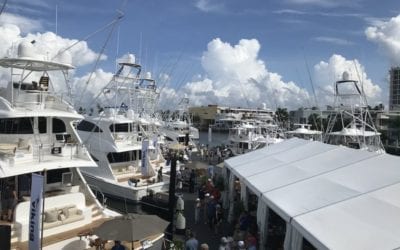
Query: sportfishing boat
(253, 134)
(305, 132)
(351, 124)
(123, 142)
(37, 131)
(179, 129)
(226, 119)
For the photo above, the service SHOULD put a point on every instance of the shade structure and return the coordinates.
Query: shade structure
(131, 227)
(333, 196)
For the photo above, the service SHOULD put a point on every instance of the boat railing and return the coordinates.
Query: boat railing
(71, 150)
(131, 139)
(41, 100)
(97, 192)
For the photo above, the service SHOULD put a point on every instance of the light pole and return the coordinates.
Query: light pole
(171, 196)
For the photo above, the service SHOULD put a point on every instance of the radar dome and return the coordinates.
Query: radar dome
(128, 58)
(148, 75)
(264, 105)
(26, 50)
(345, 76)
(130, 114)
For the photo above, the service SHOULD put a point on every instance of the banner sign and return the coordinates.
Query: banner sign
(145, 146)
(35, 212)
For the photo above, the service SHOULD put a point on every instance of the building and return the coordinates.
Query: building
(203, 116)
(394, 92)
(207, 115)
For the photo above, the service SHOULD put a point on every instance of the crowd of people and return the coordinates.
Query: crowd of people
(208, 210)
(214, 154)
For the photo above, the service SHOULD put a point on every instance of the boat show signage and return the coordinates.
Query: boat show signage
(145, 146)
(35, 212)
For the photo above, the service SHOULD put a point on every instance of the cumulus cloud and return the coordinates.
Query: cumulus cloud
(333, 40)
(326, 73)
(326, 3)
(87, 93)
(207, 6)
(235, 76)
(26, 24)
(387, 36)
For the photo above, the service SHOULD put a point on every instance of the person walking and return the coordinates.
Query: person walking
(160, 175)
(223, 245)
(211, 210)
(218, 219)
(204, 246)
(197, 211)
(9, 200)
(192, 181)
(192, 243)
(118, 246)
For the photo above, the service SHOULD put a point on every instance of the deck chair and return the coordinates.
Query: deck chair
(44, 83)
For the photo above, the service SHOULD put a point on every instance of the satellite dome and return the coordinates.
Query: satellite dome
(127, 58)
(345, 76)
(26, 50)
(130, 114)
(148, 75)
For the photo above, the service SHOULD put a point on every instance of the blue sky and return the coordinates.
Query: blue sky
(173, 36)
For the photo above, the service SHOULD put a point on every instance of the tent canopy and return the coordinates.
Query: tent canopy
(301, 179)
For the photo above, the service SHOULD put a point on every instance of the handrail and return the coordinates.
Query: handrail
(96, 189)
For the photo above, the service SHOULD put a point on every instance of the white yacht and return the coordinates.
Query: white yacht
(123, 142)
(253, 134)
(305, 132)
(179, 129)
(38, 136)
(226, 120)
(351, 124)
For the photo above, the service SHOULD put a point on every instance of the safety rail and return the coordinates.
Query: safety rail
(96, 190)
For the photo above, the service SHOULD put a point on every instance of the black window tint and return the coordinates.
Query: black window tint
(124, 156)
(121, 127)
(55, 175)
(88, 126)
(42, 125)
(58, 126)
(22, 125)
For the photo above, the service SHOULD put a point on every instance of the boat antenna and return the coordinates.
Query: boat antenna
(117, 50)
(140, 47)
(56, 19)
(361, 83)
(314, 94)
(113, 22)
(3, 6)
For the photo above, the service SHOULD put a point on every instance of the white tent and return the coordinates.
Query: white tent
(311, 184)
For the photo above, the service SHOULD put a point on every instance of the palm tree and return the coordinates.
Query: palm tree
(282, 116)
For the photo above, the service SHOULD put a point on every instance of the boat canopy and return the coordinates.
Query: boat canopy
(33, 64)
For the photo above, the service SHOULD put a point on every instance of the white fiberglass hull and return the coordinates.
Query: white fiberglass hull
(124, 191)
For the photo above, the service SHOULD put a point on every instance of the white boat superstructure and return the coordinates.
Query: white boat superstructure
(351, 123)
(180, 129)
(123, 142)
(37, 135)
(252, 134)
(226, 120)
(305, 132)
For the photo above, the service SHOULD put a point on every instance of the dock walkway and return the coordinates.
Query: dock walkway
(204, 234)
